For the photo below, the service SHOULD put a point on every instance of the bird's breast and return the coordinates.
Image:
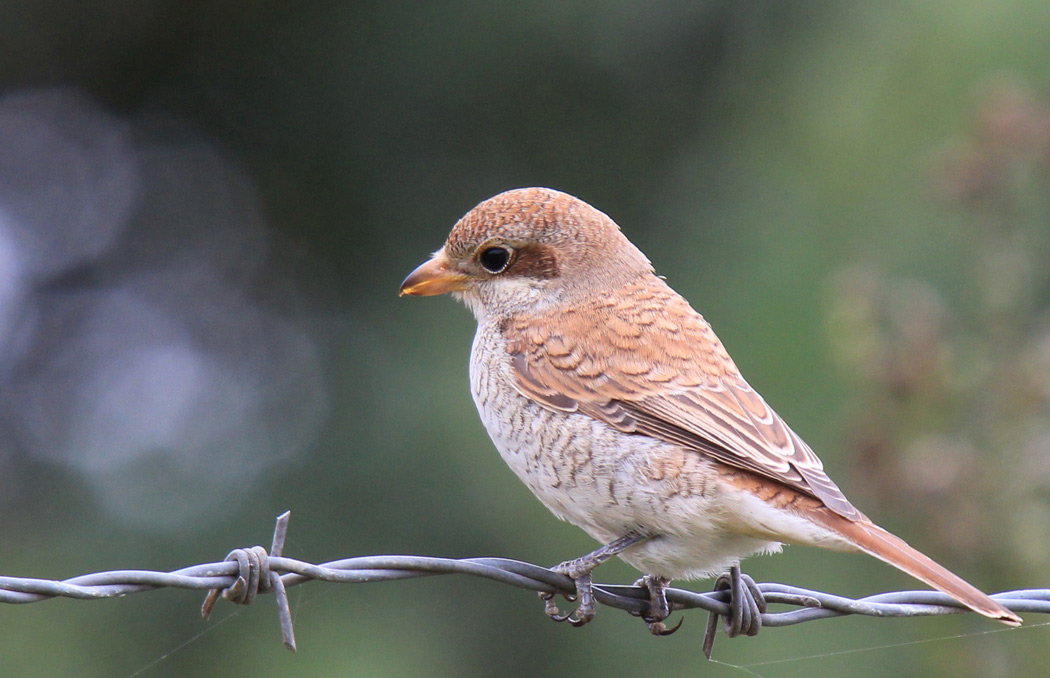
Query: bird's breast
(554, 453)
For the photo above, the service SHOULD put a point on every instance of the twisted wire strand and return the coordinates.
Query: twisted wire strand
(247, 572)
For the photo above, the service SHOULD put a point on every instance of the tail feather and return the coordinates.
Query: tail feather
(891, 549)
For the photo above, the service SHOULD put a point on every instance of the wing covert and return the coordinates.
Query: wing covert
(648, 363)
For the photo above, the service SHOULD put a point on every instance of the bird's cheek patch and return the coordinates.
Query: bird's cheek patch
(535, 261)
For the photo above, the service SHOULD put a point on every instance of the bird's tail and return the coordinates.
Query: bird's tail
(891, 549)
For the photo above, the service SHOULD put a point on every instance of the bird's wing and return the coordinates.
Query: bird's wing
(645, 362)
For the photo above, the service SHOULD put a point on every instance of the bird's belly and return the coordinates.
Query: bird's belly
(610, 483)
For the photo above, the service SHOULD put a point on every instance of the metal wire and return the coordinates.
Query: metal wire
(246, 572)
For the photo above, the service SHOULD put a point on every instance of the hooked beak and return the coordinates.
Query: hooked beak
(435, 276)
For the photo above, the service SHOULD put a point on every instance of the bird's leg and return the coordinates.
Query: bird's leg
(579, 570)
(746, 606)
(659, 609)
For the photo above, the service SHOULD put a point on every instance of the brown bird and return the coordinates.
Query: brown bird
(616, 404)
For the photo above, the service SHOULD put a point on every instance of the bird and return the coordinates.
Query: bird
(615, 403)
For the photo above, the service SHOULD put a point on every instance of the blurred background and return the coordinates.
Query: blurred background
(206, 209)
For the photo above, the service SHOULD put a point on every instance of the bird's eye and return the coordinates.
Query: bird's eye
(494, 259)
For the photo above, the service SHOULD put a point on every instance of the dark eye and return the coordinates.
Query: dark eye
(494, 259)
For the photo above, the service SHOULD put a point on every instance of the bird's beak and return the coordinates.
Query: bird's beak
(435, 276)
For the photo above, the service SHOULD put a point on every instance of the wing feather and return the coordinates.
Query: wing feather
(649, 364)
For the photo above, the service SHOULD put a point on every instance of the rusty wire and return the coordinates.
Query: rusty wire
(246, 572)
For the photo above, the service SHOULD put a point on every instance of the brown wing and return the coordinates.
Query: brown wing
(646, 362)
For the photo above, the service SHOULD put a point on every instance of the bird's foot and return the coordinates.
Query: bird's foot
(579, 570)
(659, 608)
(746, 606)
(580, 573)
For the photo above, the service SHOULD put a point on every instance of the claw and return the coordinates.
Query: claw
(555, 614)
(551, 608)
(660, 629)
(659, 609)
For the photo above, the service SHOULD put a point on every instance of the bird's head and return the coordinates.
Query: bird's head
(528, 248)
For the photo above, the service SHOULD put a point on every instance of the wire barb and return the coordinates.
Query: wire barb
(747, 605)
(247, 572)
(254, 577)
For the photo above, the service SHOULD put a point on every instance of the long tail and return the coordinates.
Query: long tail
(891, 549)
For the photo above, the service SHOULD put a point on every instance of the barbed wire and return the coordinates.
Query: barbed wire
(249, 571)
